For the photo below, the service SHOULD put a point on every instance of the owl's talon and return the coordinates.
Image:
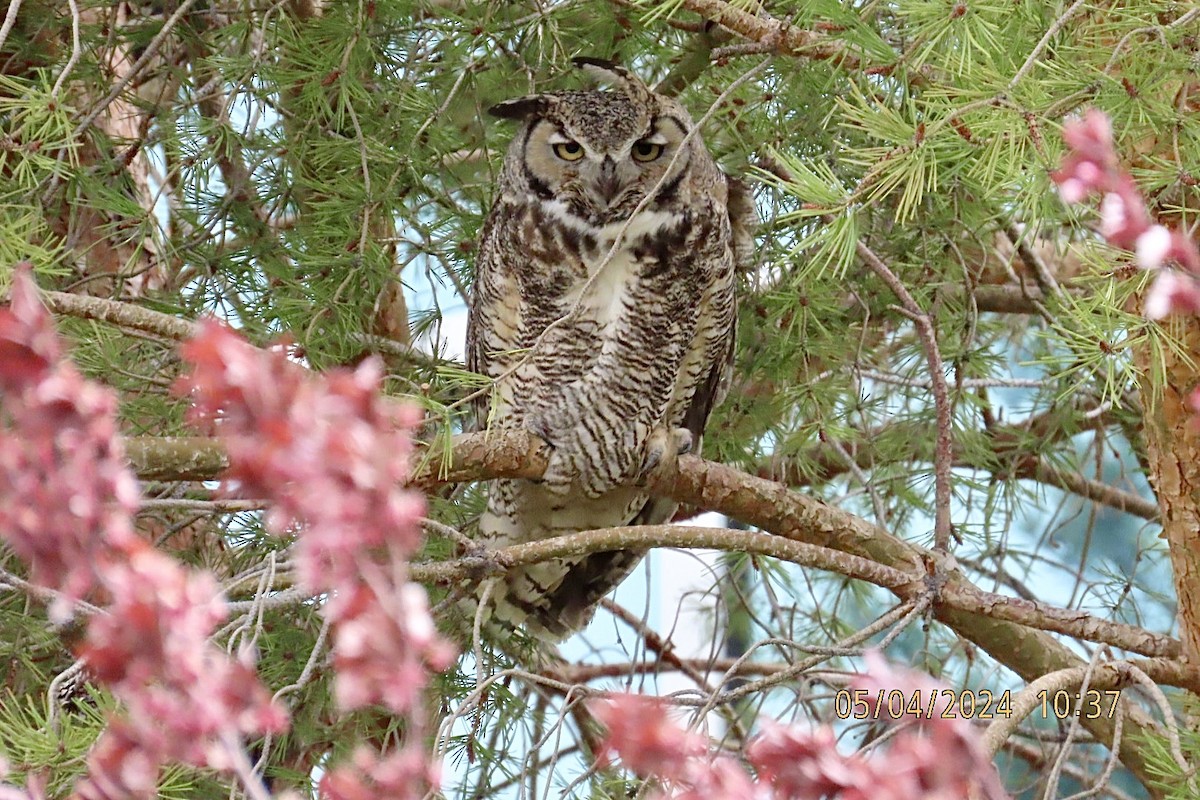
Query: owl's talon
(540, 429)
(663, 451)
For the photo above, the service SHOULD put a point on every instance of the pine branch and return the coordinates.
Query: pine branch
(805, 531)
(782, 37)
(799, 529)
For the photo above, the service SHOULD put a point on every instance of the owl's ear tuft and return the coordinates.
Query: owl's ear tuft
(522, 107)
(612, 73)
(602, 69)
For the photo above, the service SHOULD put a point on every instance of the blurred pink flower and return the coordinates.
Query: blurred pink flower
(405, 774)
(1171, 293)
(184, 696)
(642, 734)
(67, 497)
(332, 456)
(329, 452)
(1091, 166)
(67, 500)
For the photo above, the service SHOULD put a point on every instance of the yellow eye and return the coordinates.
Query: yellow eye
(646, 151)
(569, 151)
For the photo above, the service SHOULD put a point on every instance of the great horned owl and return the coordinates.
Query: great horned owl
(609, 334)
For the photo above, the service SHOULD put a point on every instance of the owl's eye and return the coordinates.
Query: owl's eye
(646, 151)
(569, 151)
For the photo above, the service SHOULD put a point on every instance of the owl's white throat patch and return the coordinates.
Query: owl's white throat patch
(612, 278)
(648, 221)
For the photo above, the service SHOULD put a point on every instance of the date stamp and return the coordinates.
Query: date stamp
(922, 704)
(972, 704)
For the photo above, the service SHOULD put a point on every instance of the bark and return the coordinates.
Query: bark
(1173, 456)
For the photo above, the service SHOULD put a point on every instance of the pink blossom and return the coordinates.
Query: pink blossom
(123, 763)
(934, 759)
(405, 774)
(1113, 216)
(67, 501)
(719, 779)
(803, 764)
(182, 694)
(332, 456)
(1073, 190)
(1092, 166)
(1153, 247)
(383, 646)
(642, 734)
(1171, 293)
(35, 785)
(67, 496)
(1092, 133)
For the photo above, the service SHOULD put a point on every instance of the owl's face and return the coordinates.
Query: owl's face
(599, 153)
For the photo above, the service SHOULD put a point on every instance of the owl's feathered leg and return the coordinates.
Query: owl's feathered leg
(597, 436)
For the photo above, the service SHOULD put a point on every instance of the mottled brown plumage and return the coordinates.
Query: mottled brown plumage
(608, 334)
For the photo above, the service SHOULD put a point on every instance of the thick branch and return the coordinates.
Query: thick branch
(800, 530)
(176, 459)
(784, 38)
(115, 312)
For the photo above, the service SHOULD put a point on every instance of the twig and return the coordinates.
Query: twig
(640, 536)
(850, 645)
(1073, 729)
(654, 643)
(943, 458)
(1051, 32)
(76, 49)
(10, 19)
(786, 39)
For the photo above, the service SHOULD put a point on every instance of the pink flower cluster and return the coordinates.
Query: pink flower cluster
(331, 456)
(935, 759)
(1092, 167)
(67, 501)
(400, 775)
(67, 497)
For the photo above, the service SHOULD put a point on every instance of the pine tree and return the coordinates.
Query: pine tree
(953, 432)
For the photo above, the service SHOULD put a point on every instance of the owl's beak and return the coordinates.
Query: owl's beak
(606, 184)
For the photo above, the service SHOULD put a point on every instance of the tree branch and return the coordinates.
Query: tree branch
(990, 621)
(905, 584)
(115, 312)
(799, 529)
(782, 37)
(943, 455)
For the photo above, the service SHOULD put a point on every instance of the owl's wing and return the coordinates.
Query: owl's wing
(493, 321)
(743, 220)
(713, 387)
